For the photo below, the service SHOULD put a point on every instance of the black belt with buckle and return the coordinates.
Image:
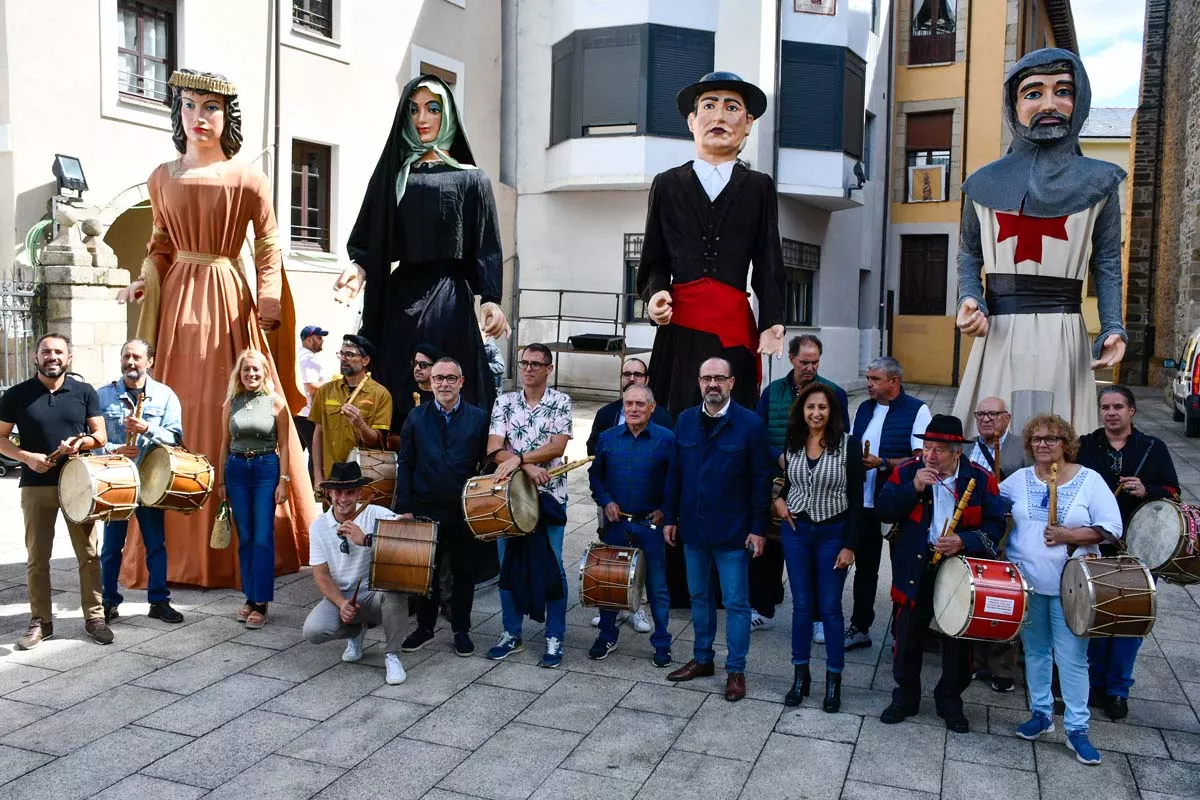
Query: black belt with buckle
(249, 454)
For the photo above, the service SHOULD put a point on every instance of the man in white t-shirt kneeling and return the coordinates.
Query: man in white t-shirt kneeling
(340, 555)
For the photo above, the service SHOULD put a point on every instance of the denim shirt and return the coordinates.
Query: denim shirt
(161, 409)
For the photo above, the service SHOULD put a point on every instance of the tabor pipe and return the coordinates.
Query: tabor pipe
(358, 389)
(1052, 505)
(958, 510)
(565, 468)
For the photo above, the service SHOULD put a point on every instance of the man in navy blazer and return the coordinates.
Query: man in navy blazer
(718, 496)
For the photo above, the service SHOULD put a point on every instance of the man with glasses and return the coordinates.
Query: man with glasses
(718, 493)
(339, 426)
(441, 446)
(418, 393)
(529, 431)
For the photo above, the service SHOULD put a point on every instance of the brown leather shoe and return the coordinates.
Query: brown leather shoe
(37, 632)
(692, 669)
(735, 686)
(98, 629)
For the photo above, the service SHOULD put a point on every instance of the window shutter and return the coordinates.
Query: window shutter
(810, 97)
(611, 75)
(678, 57)
(560, 90)
(933, 131)
(853, 105)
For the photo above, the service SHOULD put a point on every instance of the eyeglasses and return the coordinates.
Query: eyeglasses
(989, 414)
(633, 374)
(714, 378)
(418, 364)
(348, 354)
(532, 364)
(1040, 441)
(445, 379)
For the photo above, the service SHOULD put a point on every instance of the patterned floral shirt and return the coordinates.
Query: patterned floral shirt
(526, 428)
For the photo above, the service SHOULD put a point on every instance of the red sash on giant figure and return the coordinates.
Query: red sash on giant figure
(720, 309)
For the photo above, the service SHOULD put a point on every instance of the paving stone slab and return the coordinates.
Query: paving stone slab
(76, 685)
(979, 747)
(1183, 656)
(576, 703)
(1061, 777)
(14, 715)
(816, 724)
(513, 763)
(1154, 679)
(564, 784)
(15, 762)
(298, 664)
(627, 745)
(71, 647)
(183, 642)
(212, 707)
(76, 776)
(403, 769)
(1183, 746)
(523, 677)
(859, 790)
(966, 781)
(193, 673)
(355, 732)
(216, 757)
(272, 637)
(792, 768)
(323, 695)
(278, 778)
(663, 699)
(436, 679)
(143, 787)
(907, 755)
(1175, 625)
(471, 717)
(691, 776)
(92, 719)
(14, 677)
(301, 593)
(1169, 777)
(1105, 735)
(730, 730)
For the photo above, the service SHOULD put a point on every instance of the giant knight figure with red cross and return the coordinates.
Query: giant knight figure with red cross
(1035, 223)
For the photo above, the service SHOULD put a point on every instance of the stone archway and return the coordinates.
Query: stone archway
(128, 235)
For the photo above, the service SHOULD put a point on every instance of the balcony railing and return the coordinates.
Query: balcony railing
(930, 48)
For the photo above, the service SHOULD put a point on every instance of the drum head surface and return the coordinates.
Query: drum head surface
(639, 580)
(523, 499)
(952, 591)
(75, 493)
(156, 472)
(1077, 601)
(1153, 534)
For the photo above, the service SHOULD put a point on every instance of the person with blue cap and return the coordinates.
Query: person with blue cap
(312, 376)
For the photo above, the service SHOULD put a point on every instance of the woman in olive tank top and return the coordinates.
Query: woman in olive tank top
(255, 477)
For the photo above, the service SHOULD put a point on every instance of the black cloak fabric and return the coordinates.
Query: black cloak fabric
(445, 236)
(1044, 179)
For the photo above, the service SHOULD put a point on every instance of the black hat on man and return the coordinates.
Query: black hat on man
(362, 343)
(344, 475)
(756, 101)
(944, 428)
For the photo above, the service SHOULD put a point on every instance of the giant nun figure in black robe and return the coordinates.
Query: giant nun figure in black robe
(444, 239)
(700, 250)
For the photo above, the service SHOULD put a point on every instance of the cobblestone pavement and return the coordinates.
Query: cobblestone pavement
(208, 709)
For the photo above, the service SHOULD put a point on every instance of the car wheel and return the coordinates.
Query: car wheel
(3, 470)
(1191, 426)
(1176, 414)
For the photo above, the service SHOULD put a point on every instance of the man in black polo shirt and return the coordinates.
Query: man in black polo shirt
(54, 414)
(442, 445)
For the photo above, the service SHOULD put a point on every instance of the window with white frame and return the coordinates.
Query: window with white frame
(146, 49)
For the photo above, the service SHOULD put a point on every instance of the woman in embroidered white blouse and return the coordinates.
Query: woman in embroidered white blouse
(1087, 515)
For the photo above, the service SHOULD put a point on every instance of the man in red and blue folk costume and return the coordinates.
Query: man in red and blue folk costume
(922, 495)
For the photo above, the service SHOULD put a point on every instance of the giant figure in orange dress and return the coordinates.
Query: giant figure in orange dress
(198, 313)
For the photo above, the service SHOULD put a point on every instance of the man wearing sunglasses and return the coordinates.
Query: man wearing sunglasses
(339, 426)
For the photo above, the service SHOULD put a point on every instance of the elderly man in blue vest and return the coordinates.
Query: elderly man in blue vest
(766, 573)
(718, 491)
(890, 423)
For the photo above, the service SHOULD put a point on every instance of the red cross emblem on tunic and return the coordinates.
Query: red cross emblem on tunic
(1029, 232)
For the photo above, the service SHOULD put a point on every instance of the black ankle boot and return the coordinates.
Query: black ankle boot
(833, 692)
(801, 682)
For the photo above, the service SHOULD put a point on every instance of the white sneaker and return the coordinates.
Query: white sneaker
(621, 617)
(354, 645)
(819, 632)
(395, 670)
(760, 623)
(596, 621)
(639, 621)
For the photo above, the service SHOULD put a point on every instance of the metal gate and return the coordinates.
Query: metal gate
(22, 321)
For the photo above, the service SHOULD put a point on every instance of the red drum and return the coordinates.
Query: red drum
(976, 598)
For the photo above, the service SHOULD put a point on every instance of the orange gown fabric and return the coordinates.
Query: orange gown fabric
(206, 315)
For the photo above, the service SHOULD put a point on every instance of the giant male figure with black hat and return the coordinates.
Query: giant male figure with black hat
(708, 220)
(921, 495)
(1036, 223)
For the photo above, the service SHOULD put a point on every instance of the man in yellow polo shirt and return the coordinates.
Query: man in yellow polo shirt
(341, 426)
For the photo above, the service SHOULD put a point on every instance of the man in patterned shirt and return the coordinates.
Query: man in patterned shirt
(530, 429)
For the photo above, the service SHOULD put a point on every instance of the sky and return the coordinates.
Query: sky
(1110, 42)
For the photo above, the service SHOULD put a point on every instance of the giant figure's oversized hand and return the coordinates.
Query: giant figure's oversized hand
(492, 321)
(659, 308)
(1111, 353)
(971, 320)
(770, 341)
(349, 283)
(133, 293)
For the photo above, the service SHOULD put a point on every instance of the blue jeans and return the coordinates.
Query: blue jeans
(735, 591)
(1049, 642)
(1110, 663)
(556, 610)
(250, 486)
(654, 551)
(150, 522)
(810, 550)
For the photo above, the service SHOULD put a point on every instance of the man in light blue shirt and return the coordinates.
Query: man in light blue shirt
(132, 436)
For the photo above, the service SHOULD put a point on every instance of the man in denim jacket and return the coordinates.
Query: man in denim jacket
(161, 421)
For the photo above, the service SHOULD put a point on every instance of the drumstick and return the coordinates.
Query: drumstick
(953, 523)
(1052, 504)
(866, 448)
(1141, 464)
(354, 597)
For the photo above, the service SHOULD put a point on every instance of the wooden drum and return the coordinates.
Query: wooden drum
(101, 488)
(611, 577)
(1112, 596)
(402, 556)
(494, 511)
(1166, 536)
(175, 479)
(379, 468)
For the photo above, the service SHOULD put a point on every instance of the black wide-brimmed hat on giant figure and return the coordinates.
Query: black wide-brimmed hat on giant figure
(344, 475)
(944, 428)
(756, 101)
